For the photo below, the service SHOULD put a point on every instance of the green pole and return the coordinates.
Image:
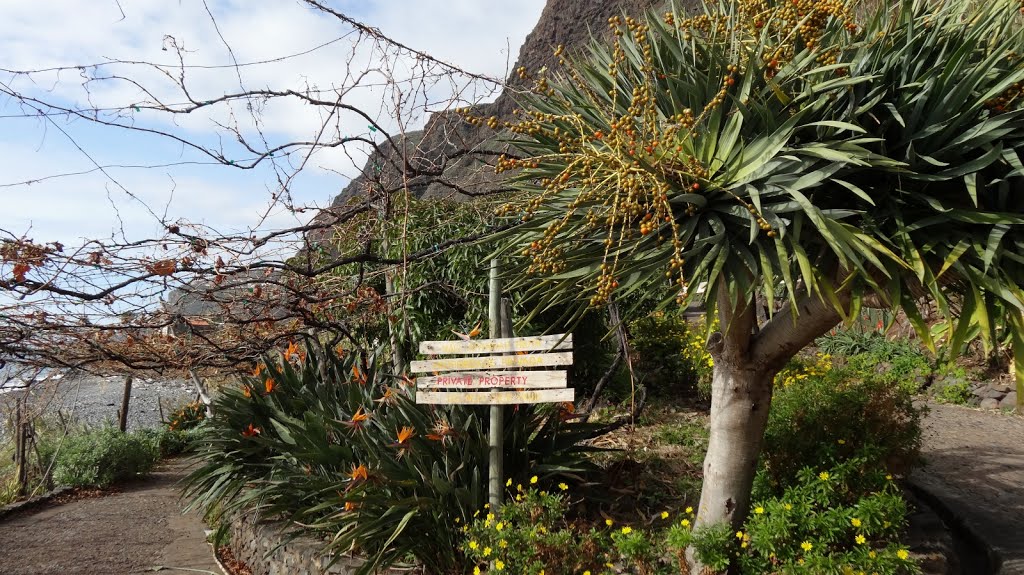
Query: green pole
(497, 426)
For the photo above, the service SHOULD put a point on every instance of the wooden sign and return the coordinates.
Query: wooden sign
(489, 379)
(476, 381)
(499, 345)
(492, 362)
(495, 397)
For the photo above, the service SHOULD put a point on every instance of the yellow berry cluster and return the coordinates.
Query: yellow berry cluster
(777, 19)
(610, 174)
(761, 222)
(491, 122)
(606, 284)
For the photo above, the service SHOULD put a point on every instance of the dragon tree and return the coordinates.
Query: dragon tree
(808, 157)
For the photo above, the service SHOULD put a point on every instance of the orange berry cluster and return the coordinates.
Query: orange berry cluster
(1008, 100)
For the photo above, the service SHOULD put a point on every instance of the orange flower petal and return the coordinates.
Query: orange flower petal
(405, 434)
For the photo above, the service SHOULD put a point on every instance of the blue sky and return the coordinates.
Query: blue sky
(480, 36)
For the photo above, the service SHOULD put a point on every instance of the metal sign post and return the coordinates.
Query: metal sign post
(496, 430)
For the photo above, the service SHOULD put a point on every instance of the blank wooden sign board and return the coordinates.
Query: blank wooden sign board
(474, 379)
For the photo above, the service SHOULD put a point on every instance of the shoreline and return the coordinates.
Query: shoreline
(91, 401)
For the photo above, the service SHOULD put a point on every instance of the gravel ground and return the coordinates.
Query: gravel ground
(974, 463)
(139, 529)
(93, 400)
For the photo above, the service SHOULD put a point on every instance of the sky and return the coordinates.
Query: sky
(51, 184)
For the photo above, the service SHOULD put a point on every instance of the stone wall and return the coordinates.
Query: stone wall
(258, 545)
(992, 395)
(998, 394)
(29, 505)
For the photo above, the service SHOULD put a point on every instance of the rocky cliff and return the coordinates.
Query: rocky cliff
(451, 157)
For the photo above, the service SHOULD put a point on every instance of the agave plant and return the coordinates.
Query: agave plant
(817, 155)
(339, 447)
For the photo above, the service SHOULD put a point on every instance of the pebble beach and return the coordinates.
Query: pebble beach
(92, 400)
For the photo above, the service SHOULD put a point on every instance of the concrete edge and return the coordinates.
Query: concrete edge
(33, 502)
(928, 536)
(959, 526)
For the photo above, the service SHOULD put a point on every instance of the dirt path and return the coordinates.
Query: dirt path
(975, 466)
(140, 530)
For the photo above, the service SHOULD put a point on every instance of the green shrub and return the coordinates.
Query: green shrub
(801, 368)
(188, 416)
(8, 488)
(958, 393)
(846, 519)
(531, 534)
(713, 546)
(848, 342)
(897, 361)
(828, 417)
(669, 351)
(341, 447)
(101, 457)
(173, 442)
(902, 370)
(666, 349)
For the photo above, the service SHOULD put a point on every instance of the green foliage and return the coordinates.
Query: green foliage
(844, 519)
(8, 489)
(713, 545)
(443, 292)
(836, 519)
(748, 157)
(447, 291)
(339, 446)
(957, 393)
(530, 534)
(801, 368)
(173, 442)
(594, 348)
(46, 431)
(101, 457)
(188, 416)
(832, 416)
(670, 354)
(894, 361)
(850, 343)
(637, 549)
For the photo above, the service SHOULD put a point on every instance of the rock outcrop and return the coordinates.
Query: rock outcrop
(453, 158)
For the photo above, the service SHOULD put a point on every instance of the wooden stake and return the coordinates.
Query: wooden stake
(20, 459)
(122, 416)
(204, 393)
(506, 323)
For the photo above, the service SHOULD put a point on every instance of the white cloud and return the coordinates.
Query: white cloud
(473, 34)
(95, 205)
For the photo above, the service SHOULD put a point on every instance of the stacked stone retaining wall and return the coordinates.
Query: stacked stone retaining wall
(258, 544)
